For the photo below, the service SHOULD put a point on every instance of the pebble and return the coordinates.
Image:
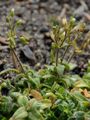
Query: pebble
(44, 30)
(27, 52)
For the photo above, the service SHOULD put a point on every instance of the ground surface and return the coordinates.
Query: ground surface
(36, 15)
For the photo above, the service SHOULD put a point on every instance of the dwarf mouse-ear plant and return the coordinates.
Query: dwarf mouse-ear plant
(23, 71)
(12, 36)
(58, 36)
(66, 35)
(61, 37)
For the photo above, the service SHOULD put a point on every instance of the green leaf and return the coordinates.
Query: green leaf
(78, 115)
(9, 71)
(60, 69)
(35, 115)
(46, 103)
(81, 84)
(87, 76)
(6, 104)
(22, 100)
(69, 66)
(87, 115)
(88, 68)
(19, 114)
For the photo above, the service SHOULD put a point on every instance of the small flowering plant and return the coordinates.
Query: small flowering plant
(12, 36)
(52, 93)
(66, 35)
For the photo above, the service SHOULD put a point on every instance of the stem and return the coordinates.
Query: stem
(63, 39)
(64, 53)
(61, 46)
(57, 55)
(18, 60)
(70, 58)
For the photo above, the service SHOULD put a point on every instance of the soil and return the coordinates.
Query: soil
(36, 15)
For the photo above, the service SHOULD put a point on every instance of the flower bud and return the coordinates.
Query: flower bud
(64, 21)
(72, 20)
(12, 12)
(19, 22)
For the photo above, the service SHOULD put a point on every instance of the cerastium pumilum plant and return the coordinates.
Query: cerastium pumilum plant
(66, 35)
(12, 36)
(23, 70)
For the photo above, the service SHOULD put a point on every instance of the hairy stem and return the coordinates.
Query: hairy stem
(72, 55)
(64, 53)
(63, 39)
(57, 55)
(18, 60)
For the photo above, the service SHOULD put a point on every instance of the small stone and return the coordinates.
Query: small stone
(27, 52)
(44, 30)
(33, 1)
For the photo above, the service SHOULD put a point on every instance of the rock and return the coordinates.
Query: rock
(43, 0)
(61, 1)
(20, 0)
(33, 1)
(1, 67)
(39, 56)
(27, 53)
(3, 41)
(44, 30)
